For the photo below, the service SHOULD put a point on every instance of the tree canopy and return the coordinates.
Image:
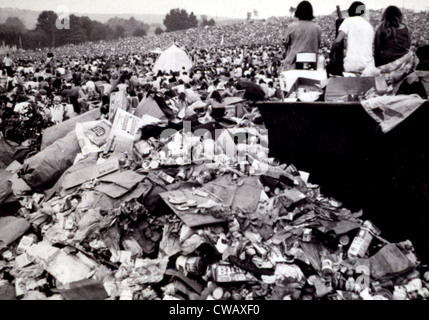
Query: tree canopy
(206, 22)
(158, 30)
(179, 19)
(81, 29)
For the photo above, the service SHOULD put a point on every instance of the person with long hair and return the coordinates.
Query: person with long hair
(182, 102)
(302, 36)
(392, 38)
(216, 105)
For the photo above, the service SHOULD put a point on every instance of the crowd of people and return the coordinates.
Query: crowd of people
(69, 80)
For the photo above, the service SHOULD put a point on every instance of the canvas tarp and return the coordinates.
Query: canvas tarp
(172, 59)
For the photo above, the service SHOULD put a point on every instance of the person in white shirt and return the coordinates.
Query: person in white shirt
(359, 35)
(21, 107)
(57, 110)
(90, 89)
(32, 84)
(185, 78)
(191, 95)
(238, 72)
(156, 84)
(122, 87)
(94, 67)
(180, 87)
(8, 63)
(105, 89)
(28, 70)
(90, 85)
(61, 70)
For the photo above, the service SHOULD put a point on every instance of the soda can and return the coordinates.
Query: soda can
(181, 175)
(192, 265)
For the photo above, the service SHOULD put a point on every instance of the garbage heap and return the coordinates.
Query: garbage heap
(105, 215)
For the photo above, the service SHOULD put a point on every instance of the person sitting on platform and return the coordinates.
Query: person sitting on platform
(359, 36)
(392, 38)
(302, 36)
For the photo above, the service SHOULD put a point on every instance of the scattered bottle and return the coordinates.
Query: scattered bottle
(361, 242)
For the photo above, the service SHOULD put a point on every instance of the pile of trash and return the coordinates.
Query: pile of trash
(109, 209)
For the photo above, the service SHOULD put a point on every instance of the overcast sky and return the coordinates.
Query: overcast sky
(224, 8)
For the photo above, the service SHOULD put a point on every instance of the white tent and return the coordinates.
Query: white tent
(173, 59)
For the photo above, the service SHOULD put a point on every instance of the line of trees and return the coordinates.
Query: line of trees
(80, 29)
(51, 29)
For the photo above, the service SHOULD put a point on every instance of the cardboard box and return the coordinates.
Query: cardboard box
(118, 100)
(307, 84)
(339, 89)
(76, 178)
(124, 128)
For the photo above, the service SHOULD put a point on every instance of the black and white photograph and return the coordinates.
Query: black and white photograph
(207, 158)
